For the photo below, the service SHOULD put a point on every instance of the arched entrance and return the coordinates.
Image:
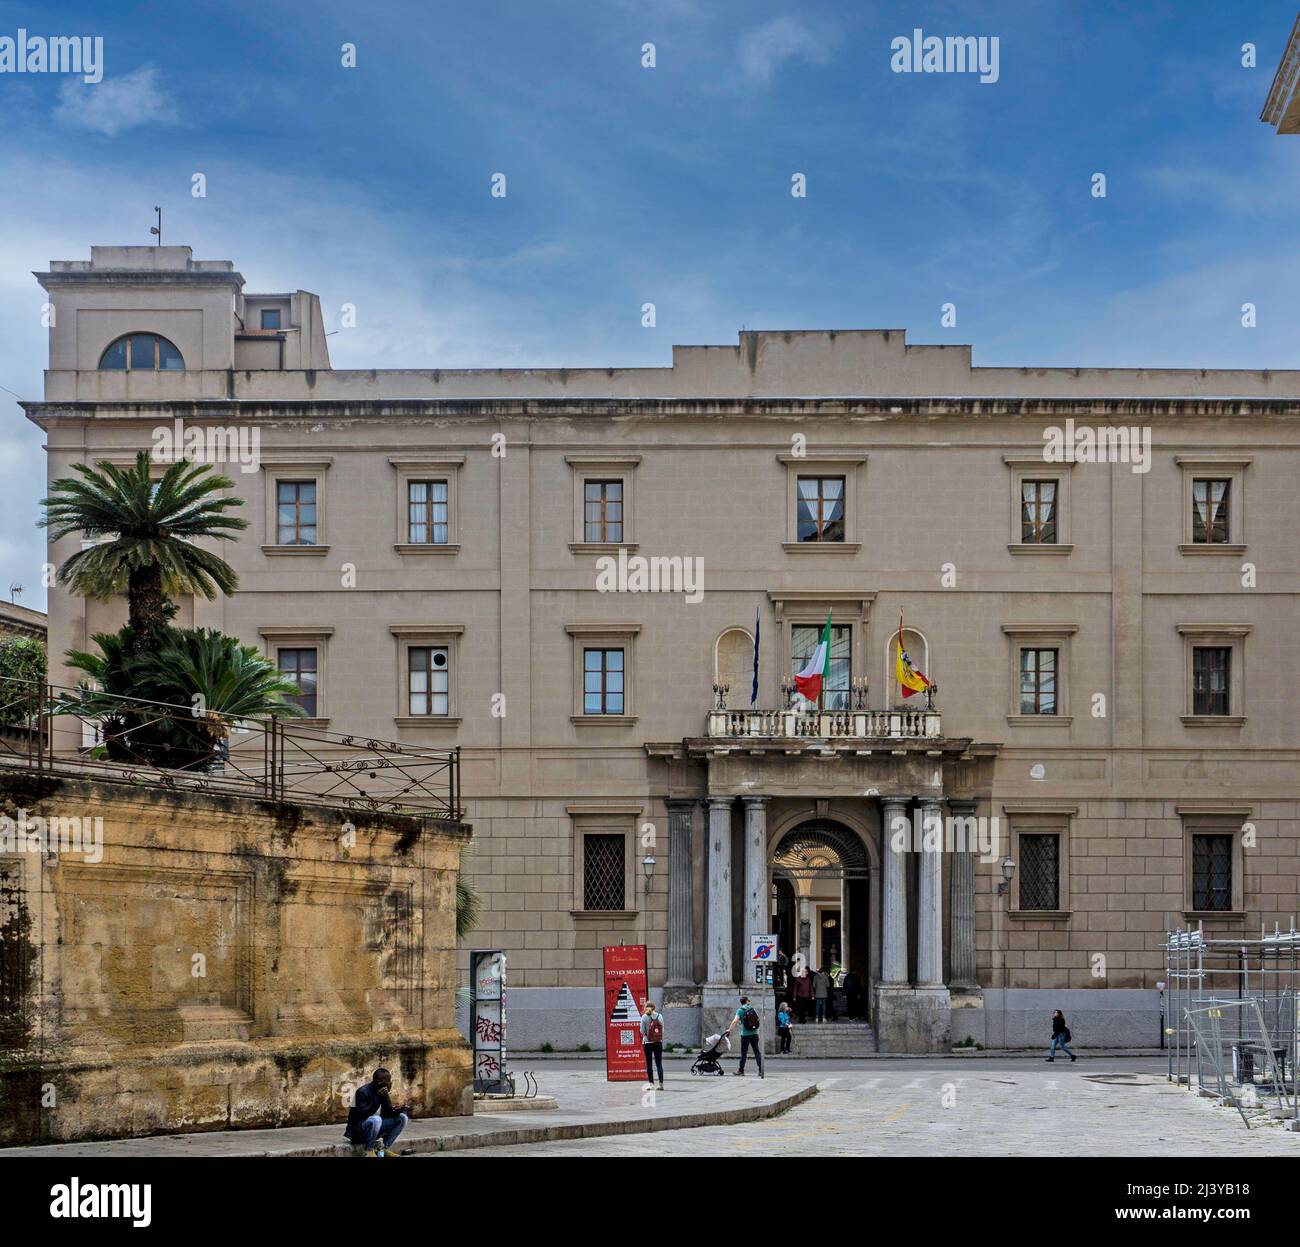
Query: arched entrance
(821, 898)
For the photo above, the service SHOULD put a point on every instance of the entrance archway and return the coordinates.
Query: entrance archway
(821, 897)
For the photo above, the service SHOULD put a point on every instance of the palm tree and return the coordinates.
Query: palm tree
(154, 525)
(188, 693)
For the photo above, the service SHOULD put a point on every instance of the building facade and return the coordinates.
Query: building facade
(565, 573)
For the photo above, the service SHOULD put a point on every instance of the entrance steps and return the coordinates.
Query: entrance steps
(833, 1041)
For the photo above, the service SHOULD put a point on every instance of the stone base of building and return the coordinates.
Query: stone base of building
(259, 1084)
(913, 1019)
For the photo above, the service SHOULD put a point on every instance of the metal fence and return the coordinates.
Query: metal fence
(1234, 1019)
(44, 727)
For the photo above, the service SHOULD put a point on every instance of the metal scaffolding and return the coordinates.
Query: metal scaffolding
(1234, 1019)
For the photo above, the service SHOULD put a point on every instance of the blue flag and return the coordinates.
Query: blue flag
(753, 693)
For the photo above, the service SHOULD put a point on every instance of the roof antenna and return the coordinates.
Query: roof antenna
(15, 592)
(157, 229)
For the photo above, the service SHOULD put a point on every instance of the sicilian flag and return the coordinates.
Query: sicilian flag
(910, 680)
(809, 681)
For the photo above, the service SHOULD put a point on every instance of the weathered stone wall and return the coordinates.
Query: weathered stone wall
(225, 962)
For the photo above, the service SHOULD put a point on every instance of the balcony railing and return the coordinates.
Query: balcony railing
(825, 724)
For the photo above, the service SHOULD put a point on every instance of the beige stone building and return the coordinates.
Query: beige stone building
(561, 571)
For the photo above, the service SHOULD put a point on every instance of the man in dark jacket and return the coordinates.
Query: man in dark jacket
(373, 1122)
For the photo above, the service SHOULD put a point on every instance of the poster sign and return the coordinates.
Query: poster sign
(487, 1020)
(762, 948)
(625, 989)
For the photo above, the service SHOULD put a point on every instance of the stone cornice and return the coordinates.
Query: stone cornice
(1098, 410)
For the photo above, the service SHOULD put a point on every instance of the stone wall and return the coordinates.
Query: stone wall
(212, 962)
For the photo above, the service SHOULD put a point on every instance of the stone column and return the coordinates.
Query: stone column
(961, 901)
(893, 927)
(805, 929)
(758, 904)
(719, 946)
(929, 904)
(680, 926)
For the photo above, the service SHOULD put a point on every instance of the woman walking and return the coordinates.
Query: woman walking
(783, 1026)
(652, 1044)
(1060, 1037)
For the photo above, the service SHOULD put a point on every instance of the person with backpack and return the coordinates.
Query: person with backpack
(783, 1021)
(652, 1043)
(749, 1022)
(1060, 1037)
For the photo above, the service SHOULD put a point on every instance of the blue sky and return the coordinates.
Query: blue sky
(670, 185)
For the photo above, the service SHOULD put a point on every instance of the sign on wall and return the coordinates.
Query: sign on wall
(625, 989)
(487, 1020)
(762, 948)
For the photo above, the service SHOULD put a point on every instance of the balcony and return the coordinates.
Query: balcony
(824, 725)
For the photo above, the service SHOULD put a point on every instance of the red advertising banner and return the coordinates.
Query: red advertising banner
(625, 989)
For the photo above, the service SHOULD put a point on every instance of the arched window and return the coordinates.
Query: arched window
(142, 352)
(733, 663)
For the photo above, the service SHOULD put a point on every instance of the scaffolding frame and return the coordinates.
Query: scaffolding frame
(1233, 1018)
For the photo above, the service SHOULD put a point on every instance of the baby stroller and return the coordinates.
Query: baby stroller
(710, 1059)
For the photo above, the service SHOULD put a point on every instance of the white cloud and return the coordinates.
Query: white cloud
(116, 104)
(766, 48)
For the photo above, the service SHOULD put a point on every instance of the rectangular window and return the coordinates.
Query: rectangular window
(1210, 511)
(270, 318)
(1040, 871)
(804, 639)
(1211, 674)
(1038, 513)
(295, 513)
(602, 682)
(299, 667)
(427, 685)
(1038, 681)
(1211, 872)
(426, 513)
(603, 872)
(820, 505)
(602, 511)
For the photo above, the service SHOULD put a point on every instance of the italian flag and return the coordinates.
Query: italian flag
(809, 680)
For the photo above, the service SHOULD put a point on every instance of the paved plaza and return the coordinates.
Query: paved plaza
(1107, 1106)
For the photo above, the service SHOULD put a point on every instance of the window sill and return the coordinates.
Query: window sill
(601, 915)
(1055, 914)
(1040, 720)
(427, 547)
(603, 720)
(1043, 547)
(1215, 915)
(1205, 547)
(314, 723)
(1213, 720)
(309, 551)
(821, 547)
(427, 720)
(601, 547)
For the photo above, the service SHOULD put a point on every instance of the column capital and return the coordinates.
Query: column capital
(754, 800)
(895, 800)
(720, 803)
(928, 799)
(962, 805)
(679, 804)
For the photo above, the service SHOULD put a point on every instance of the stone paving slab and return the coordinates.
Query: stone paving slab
(931, 1107)
(589, 1107)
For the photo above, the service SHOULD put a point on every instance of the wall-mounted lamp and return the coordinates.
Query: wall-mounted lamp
(1008, 873)
(648, 865)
